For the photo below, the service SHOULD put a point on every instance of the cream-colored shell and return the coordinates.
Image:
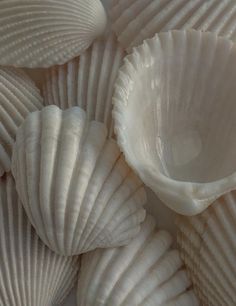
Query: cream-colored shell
(30, 273)
(87, 81)
(136, 20)
(147, 272)
(18, 97)
(42, 33)
(75, 185)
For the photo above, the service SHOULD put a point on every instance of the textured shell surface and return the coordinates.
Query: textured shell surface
(87, 81)
(42, 33)
(207, 245)
(147, 272)
(175, 117)
(75, 185)
(18, 97)
(30, 273)
(137, 20)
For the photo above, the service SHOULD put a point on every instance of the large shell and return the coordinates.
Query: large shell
(18, 97)
(75, 185)
(175, 117)
(207, 244)
(87, 81)
(42, 33)
(147, 272)
(137, 20)
(30, 273)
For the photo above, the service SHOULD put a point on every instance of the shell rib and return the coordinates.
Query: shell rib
(75, 185)
(207, 245)
(42, 33)
(147, 272)
(87, 81)
(18, 97)
(30, 273)
(136, 20)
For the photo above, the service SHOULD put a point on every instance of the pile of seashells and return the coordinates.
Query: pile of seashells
(151, 101)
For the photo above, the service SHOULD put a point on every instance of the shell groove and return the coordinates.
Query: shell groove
(75, 185)
(42, 33)
(30, 273)
(136, 20)
(87, 81)
(18, 97)
(147, 272)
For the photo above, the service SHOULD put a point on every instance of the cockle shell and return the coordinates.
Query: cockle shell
(75, 185)
(137, 20)
(18, 97)
(207, 244)
(175, 117)
(147, 272)
(42, 33)
(87, 81)
(30, 273)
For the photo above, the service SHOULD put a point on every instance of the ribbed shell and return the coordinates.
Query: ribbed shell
(207, 245)
(42, 33)
(18, 97)
(30, 273)
(87, 81)
(147, 272)
(75, 185)
(137, 20)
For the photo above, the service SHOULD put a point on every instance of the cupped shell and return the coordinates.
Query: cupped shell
(75, 185)
(30, 273)
(42, 33)
(18, 97)
(146, 272)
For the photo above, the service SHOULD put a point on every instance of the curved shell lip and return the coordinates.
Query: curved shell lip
(186, 198)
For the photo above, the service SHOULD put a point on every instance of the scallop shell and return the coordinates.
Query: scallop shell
(42, 33)
(207, 245)
(18, 97)
(181, 141)
(75, 185)
(87, 81)
(136, 20)
(145, 272)
(30, 273)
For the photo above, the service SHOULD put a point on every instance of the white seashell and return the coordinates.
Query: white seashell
(146, 272)
(87, 81)
(207, 245)
(136, 20)
(75, 185)
(175, 117)
(18, 97)
(42, 33)
(30, 273)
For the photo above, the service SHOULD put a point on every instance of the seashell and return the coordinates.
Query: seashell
(18, 97)
(30, 273)
(42, 33)
(75, 185)
(145, 272)
(181, 140)
(207, 245)
(137, 20)
(87, 81)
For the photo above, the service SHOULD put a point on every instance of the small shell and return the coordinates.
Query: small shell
(75, 185)
(30, 273)
(181, 141)
(42, 33)
(207, 245)
(87, 81)
(147, 272)
(136, 20)
(18, 97)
